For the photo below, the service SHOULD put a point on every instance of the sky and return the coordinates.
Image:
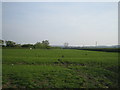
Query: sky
(78, 23)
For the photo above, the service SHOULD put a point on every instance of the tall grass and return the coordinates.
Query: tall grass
(59, 68)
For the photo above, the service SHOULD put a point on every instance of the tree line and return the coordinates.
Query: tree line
(41, 45)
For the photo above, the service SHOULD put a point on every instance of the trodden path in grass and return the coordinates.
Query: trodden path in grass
(59, 68)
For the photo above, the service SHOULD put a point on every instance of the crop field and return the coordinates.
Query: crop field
(59, 68)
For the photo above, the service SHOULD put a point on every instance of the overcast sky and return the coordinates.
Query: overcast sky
(75, 23)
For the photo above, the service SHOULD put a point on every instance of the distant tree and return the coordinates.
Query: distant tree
(18, 45)
(48, 47)
(66, 44)
(27, 46)
(38, 45)
(10, 44)
(2, 42)
(3, 45)
(46, 43)
(43, 45)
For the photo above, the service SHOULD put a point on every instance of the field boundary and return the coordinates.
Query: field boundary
(102, 49)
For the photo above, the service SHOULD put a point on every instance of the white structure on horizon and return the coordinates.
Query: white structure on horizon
(96, 43)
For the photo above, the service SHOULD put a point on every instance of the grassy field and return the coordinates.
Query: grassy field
(59, 68)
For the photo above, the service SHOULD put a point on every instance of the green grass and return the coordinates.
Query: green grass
(39, 68)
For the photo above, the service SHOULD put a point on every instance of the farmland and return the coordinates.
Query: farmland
(59, 68)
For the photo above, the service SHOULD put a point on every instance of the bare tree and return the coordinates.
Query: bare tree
(66, 44)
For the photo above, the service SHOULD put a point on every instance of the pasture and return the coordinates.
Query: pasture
(59, 68)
